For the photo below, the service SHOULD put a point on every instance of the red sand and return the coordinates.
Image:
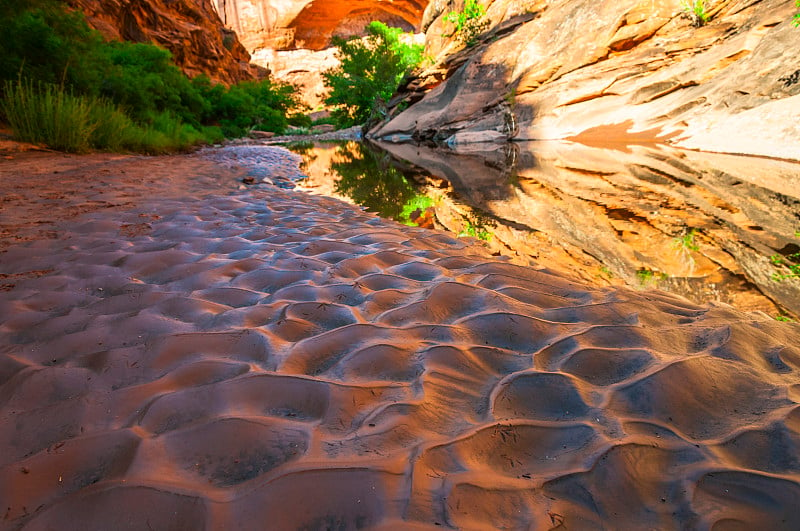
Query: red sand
(177, 354)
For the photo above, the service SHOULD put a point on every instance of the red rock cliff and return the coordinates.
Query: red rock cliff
(288, 24)
(190, 29)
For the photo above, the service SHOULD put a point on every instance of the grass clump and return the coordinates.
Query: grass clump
(47, 114)
(369, 73)
(697, 11)
(469, 23)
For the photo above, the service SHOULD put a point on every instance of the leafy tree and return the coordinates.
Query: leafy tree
(369, 72)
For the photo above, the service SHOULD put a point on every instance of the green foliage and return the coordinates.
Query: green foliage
(784, 319)
(263, 105)
(475, 231)
(696, 10)
(468, 23)
(797, 15)
(686, 242)
(647, 277)
(788, 266)
(369, 72)
(48, 44)
(151, 105)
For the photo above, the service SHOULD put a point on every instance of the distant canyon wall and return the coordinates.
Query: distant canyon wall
(600, 70)
(307, 24)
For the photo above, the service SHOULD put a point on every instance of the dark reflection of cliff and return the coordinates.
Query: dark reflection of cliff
(706, 226)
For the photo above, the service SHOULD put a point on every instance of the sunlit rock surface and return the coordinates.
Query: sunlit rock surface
(190, 29)
(609, 69)
(288, 24)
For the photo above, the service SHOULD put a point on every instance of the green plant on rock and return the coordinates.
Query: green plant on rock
(797, 15)
(696, 10)
(468, 23)
(369, 72)
(686, 242)
(477, 225)
(788, 266)
(648, 277)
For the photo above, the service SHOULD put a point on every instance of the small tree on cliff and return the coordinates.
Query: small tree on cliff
(370, 70)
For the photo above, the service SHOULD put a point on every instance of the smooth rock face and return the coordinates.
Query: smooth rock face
(288, 24)
(544, 71)
(190, 29)
(302, 68)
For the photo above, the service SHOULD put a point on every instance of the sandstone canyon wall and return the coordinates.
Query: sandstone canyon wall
(190, 29)
(308, 24)
(601, 69)
(292, 38)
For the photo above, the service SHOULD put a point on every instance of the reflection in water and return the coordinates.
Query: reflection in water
(368, 177)
(707, 226)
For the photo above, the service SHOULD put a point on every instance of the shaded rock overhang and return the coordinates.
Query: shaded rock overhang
(320, 20)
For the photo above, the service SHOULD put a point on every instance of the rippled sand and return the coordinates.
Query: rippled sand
(265, 359)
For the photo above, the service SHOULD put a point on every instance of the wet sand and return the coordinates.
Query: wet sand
(178, 351)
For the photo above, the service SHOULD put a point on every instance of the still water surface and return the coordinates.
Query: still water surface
(710, 227)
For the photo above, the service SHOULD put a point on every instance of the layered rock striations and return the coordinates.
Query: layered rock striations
(289, 24)
(604, 70)
(190, 29)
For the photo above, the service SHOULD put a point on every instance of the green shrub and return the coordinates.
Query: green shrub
(263, 105)
(47, 43)
(369, 73)
(113, 129)
(144, 81)
(797, 15)
(468, 23)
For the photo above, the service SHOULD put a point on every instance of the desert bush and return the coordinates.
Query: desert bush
(369, 72)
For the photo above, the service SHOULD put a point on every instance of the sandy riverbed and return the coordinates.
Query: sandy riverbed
(178, 351)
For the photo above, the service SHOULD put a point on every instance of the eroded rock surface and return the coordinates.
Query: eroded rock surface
(289, 24)
(190, 29)
(608, 69)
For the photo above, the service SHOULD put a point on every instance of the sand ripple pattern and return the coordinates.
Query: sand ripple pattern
(269, 360)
